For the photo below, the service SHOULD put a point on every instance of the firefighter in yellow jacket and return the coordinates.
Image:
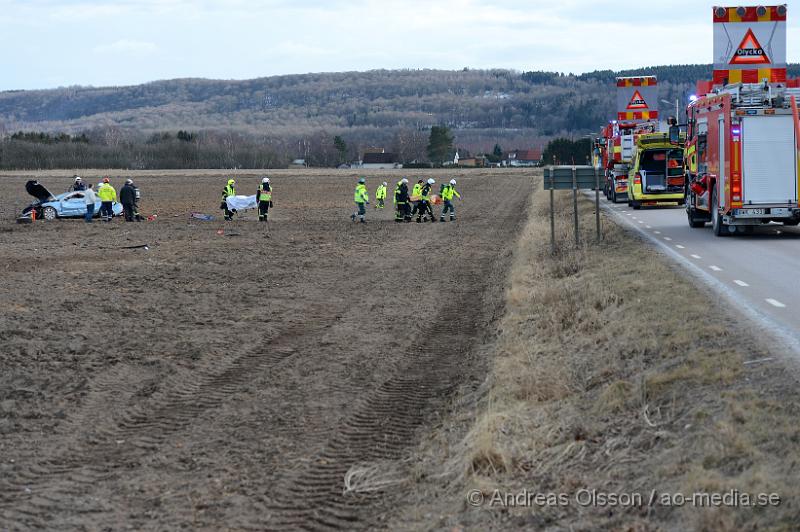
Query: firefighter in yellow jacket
(107, 196)
(264, 198)
(448, 192)
(361, 199)
(227, 192)
(380, 195)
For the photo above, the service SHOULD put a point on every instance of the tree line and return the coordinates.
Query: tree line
(118, 148)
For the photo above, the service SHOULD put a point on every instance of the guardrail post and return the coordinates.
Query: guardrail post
(575, 202)
(597, 201)
(552, 213)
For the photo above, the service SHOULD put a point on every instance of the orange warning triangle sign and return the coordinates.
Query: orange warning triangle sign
(750, 52)
(637, 102)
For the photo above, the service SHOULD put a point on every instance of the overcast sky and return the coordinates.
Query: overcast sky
(52, 43)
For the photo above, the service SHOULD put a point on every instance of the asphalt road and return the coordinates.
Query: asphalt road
(758, 273)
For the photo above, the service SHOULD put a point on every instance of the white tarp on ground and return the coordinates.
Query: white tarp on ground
(241, 203)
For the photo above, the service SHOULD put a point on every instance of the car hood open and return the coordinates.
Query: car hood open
(38, 191)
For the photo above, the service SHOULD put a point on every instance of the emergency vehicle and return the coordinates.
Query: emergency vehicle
(742, 158)
(742, 137)
(636, 115)
(656, 176)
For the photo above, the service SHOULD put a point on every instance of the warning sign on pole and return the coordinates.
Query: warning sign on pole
(749, 44)
(637, 99)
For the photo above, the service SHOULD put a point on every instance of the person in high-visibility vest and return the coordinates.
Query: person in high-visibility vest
(361, 198)
(264, 197)
(416, 192)
(107, 196)
(228, 191)
(402, 209)
(425, 202)
(448, 192)
(380, 195)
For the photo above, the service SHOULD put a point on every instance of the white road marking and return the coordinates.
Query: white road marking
(679, 246)
(715, 268)
(698, 257)
(740, 283)
(668, 239)
(776, 303)
(628, 214)
(657, 232)
(648, 227)
(640, 221)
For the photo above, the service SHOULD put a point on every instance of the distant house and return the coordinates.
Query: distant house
(380, 161)
(524, 157)
(298, 163)
(474, 162)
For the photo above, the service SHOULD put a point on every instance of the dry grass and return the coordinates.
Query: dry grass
(611, 371)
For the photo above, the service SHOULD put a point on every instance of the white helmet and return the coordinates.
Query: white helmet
(265, 180)
(404, 180)
(431, 181)
(452, 181)
(385, 183)
(78, 178)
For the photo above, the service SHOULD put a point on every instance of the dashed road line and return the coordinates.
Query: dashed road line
(668, 239)
(657, 232)
(679, 246)
(715, 268)
(740, 283)
(698, 257)
(648, 227)
(776, 303)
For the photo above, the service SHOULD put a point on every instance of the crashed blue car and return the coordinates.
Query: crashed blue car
(67, 205)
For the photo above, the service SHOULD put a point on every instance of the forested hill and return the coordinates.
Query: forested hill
(481, 106)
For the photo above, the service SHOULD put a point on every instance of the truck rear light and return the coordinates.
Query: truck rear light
(637, 179)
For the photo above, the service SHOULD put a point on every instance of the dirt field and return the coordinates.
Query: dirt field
(234, 380)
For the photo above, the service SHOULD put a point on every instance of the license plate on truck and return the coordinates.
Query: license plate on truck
(751, 212)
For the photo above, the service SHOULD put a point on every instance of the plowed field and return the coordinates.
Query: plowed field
(235, 380)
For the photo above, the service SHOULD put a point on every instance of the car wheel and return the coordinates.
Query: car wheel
(49, 213)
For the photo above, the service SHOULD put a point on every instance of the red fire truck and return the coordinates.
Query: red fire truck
(743, 132)
(741, 157)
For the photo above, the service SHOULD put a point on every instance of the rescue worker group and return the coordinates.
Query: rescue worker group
(107, 194)
(419, 201)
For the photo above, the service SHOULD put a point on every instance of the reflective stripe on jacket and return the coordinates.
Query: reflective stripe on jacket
(264, 193)
(228, 191)
(381, 192)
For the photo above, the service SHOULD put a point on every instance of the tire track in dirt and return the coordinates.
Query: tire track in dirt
(31, 495)
(384, 423)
